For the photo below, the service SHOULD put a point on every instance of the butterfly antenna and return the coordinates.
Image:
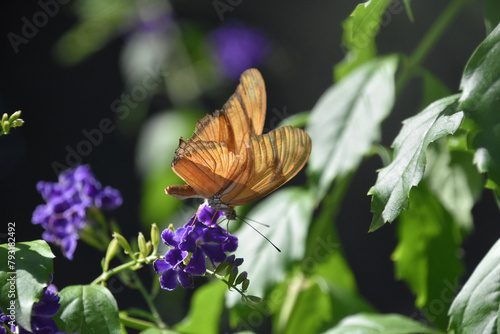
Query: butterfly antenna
(254, 221)
(262, 235)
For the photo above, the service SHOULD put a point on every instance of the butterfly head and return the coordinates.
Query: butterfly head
(215, 203)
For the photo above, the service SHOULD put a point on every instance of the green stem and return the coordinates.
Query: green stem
(140, 286)
(330, 205)
(221, 278)
(135, 323)
(323, 226)
(106, 275)
(294, 289)
(428, 41)
(149, 301)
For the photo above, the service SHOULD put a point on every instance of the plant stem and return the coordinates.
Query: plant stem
(140, 286)
(135, 323)
(297, 285)
(106, 275)
(149, 301)
(428, 41)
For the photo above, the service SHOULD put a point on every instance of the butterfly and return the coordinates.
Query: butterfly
(228, 161)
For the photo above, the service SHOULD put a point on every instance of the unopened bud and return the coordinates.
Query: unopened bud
(232, 276)
(125, 245)
(245, 284)
(6, 126)
(143, 247)
(15, 116)
(110, 253)
(17, 123)
(243, 276)
(155, 237)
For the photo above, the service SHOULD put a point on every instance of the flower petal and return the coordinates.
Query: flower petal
(109, 198)
(185, 279)
(197, 265)
(168, 280)
(161, 266)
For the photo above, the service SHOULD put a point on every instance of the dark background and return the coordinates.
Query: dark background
(58, 102)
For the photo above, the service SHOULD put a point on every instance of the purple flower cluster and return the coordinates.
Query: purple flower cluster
(239, 48)
(200, 238)
(42, 313)
(67, 200)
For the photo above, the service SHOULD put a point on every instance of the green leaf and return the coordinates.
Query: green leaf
(98, 23)
(358, 38)
(297, 121)
(481, 88)
(455, 181)
(426, 255)
(289, 213)
(392, 190)
(321, 305)
(409, 12)
(324, 255)
(158, 331)
(356, 105)
(88, 309)
(206, 309)
(33, 265)
(380, 324)
(476, 309)
(491, 14)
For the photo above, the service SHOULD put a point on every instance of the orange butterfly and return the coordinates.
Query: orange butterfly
(228, 161)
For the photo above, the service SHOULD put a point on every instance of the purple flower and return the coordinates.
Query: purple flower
(172, 270)
(67, 200)
(5, 319)
(239, 48)
(42, 313)
(200, 239)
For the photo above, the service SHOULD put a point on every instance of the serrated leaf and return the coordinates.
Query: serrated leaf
(345, 122)
(426, 254)
(206, 309)
(33, 265)
(380, 324)
(88, 309)
(358, 38)
(455, 181)
(392, 190)
(288, 212)
(481, 90)
(476, 307)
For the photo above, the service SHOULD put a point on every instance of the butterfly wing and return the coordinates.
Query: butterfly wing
(208, 168)
(241, 118)
(274, 158)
